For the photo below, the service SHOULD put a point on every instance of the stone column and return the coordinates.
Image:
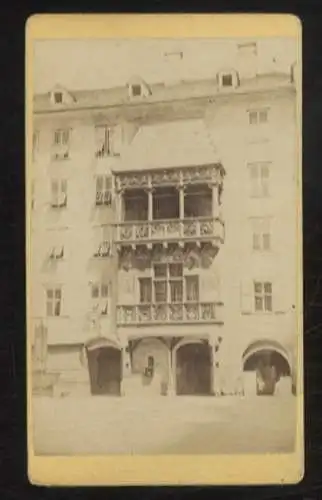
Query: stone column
(150, 204)
(215, 380)
(171, 386)
(181, 202)
(126, 369)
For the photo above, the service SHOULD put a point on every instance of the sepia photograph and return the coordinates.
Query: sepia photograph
(163, 262)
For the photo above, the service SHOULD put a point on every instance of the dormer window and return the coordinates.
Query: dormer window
(58, 97)
(136, 90)
(227, 80)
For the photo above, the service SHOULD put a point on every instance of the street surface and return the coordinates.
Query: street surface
(164, 425)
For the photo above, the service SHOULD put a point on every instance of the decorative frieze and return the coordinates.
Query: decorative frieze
(191, 255)
(212, 174)
(167, 231)
(188, 312)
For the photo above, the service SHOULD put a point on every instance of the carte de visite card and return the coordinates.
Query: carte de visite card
(164, 236)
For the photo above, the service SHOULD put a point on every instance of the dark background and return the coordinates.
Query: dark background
(13, 452)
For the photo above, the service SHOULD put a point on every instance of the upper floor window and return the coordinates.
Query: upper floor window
(102, 241)
(259, 176)
(61, 144)
(261, 233)
(107, 141)
(258, 116)
(168, 285)
(100, 294)
(59, 193)
(263, 296)
(103, 190)
(53, 301)
(57, 253)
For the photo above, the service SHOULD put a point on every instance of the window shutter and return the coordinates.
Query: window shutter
(247, 297)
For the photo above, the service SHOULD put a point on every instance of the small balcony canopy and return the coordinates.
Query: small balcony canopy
(179, 143)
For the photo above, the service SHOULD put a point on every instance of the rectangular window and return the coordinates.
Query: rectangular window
(61, 144)
(227, 80)
(136, 90)
(100, 295)
(145, 290)
(59, 193)
(58, 97)
(257, 116)
(103, 190)
(102, 241)
(57, 252)
(192, 288)
(168, 285)
(260, 178)
(261, 233)
(106, 141)
(53, 301)
(263, 296)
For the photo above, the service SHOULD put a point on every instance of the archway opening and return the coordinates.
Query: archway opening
(105, 370)
(270, 368)
(193, 369)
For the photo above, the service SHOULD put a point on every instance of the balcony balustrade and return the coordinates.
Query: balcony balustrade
(185, 312)
(171, 230)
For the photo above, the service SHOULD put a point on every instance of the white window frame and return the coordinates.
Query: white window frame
(61, 144)
(106, 145)
(58, 193)
(258, 116)
(261, 234)
(57, 252)
(260, 175)
(103, 246)
(169, 280)
(103, 190)
(263, 296)
(100, 293)
(54, 303)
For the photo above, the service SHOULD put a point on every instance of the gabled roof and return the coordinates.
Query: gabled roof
(180, 143)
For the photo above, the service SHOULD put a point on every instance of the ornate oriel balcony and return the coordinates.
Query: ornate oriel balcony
(165, 231)
(174, 205)
(185, 312)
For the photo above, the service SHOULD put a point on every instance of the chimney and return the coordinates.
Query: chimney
(247, 60)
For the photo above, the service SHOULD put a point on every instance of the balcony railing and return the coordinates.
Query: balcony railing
(187, 312)
(203, 228)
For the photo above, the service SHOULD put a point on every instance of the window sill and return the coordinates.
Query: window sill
(263, 313)
(54, 159)
(260, 197)
(61, 316)
(105, 157)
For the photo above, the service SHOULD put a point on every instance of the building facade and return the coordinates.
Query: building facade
(163, 236)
